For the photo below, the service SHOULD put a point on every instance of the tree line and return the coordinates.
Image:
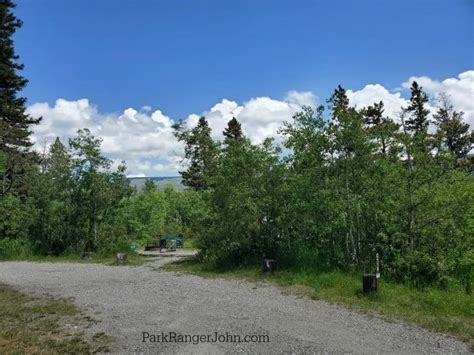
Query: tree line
(343, 185)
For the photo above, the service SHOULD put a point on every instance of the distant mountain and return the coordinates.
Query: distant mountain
(160, 182)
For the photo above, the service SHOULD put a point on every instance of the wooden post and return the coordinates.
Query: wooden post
(377, 272)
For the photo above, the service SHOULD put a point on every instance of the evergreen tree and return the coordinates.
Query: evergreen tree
(233, 130)
(338, 102)
(419, 166)
(417, 119)
(380, 127)
(453, 134)
(416, 142)
(14, 122)
(201, 151)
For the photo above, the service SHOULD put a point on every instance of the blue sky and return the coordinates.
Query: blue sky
(183, 55)
(128, 69)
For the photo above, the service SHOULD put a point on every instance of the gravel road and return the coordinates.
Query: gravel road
(128, 301)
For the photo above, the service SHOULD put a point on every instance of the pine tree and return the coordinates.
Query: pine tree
(453, 133)
(381, 128)
(338, 102)
(418, 113)
(201, 151)
(373, 115)
(14, 122)
(233, 130)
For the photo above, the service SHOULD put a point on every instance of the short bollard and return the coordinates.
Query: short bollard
(268, 266)
(121, 258)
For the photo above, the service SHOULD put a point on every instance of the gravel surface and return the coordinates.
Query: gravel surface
(128, 301)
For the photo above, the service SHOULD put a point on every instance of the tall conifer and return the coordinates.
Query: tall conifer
(14, 122)
(201, 152)
(233, 130)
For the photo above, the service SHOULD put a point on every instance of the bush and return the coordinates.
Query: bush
(17, 216)
(15, 248)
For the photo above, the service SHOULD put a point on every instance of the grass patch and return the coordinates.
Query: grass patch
(42, 325)
(132, 259)
(439, 310)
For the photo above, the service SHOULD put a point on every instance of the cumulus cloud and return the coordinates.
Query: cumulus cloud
(260, 117)
(301, 98)
(144, 138)
(374, 93)
(460, 91)
(140, 138)
(217, 117)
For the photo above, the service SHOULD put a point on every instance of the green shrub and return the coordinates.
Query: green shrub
(16, 248)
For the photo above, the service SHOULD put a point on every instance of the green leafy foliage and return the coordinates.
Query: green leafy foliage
(241, 221)
(350, 185)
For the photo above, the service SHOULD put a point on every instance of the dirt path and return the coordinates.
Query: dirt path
(129, 301)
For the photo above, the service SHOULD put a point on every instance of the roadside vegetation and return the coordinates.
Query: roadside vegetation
(42, 325)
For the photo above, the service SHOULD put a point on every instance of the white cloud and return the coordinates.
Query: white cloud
(261, 117)
(301, 98)
(217, 117)
(137, 137)
(144, 138)
(374, 93)
(460, 91)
